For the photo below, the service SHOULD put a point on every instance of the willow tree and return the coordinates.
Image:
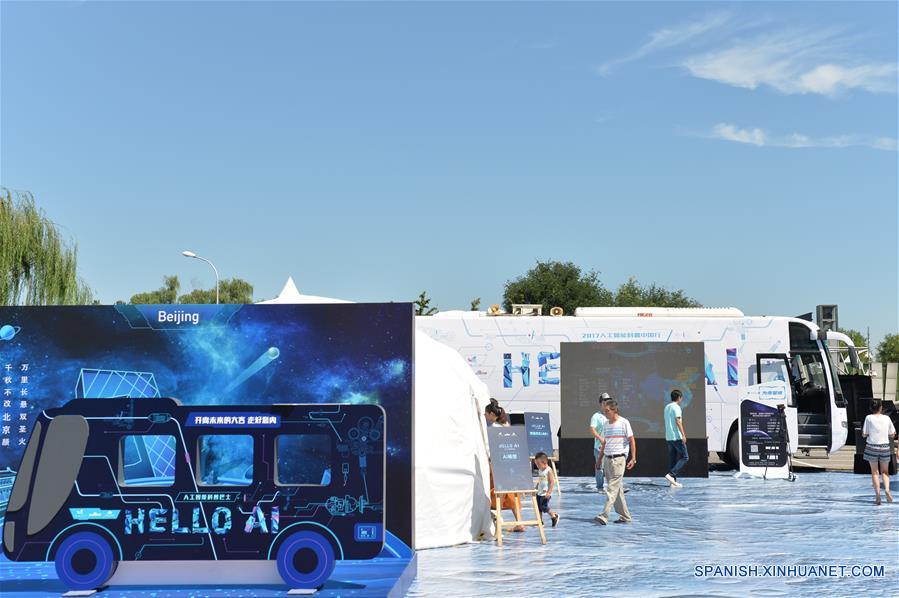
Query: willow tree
(37, 265)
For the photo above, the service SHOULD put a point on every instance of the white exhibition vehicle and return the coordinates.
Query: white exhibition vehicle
(518, 357)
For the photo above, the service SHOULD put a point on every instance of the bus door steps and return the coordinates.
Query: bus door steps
(813, 440)
(814, 430)
(812, 426)
(811, 419)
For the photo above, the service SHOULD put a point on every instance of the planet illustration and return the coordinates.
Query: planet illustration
(7, 332)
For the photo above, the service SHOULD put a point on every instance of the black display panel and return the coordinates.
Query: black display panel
(640, 377)
(509, 459)
(539, 433)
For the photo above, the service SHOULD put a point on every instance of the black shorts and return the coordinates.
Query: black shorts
(543, 504)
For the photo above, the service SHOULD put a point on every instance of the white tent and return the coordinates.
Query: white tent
(452, 475)
(290, 294)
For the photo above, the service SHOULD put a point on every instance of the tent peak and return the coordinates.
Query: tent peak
(290, 288)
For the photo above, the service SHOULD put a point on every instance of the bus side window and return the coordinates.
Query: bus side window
(773, 370)
(147, 460)
(225, 460)
(303, 460)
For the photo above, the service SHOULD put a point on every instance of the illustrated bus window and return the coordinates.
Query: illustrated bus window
(58, 466)
(225, 460)
(303, 460)
(147, 460)
(23, 479)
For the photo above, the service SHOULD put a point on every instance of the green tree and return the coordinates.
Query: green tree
(37, 266)
(888, 349)
(475, 304)
(231, 290)
(633, 294)
(167, 293)
(858, 339)
(630, 294)
(423, 305)
(554, 283)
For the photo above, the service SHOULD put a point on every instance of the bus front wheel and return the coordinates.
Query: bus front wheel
(733, 449)
(305, 560)
(84, 561)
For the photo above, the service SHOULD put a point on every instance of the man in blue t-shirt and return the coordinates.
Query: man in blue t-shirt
(676, 438)
(596, 424)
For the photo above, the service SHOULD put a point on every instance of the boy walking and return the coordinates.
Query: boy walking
(676, 438)
(619, 452)
(546, 481)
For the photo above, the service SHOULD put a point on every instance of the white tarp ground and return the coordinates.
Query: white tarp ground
(452, 475)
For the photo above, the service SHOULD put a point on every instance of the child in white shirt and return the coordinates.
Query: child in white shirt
(546, 481)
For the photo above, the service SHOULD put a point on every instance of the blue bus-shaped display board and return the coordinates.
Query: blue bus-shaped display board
(103, 481)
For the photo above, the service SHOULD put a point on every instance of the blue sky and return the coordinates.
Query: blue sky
(743, 152)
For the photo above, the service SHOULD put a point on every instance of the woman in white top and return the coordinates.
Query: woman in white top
(879, 432)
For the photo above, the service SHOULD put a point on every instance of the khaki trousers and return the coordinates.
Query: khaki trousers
(614, 474)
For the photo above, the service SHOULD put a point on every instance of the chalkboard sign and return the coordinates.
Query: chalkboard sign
(509, 459)
(763, 435)
(539, 435)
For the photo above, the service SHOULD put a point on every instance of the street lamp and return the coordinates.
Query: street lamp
(195, 256)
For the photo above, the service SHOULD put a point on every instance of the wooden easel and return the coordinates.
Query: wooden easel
(552, 464)
(500, 524)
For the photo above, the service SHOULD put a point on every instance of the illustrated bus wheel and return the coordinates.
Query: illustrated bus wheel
(305, 560)
(84, 561)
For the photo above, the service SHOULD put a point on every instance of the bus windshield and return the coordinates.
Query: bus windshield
(808, 370)
(837, 389)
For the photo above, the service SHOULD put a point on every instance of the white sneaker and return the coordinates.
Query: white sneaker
(673, 481)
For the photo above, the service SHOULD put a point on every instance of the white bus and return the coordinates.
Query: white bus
(518, 357)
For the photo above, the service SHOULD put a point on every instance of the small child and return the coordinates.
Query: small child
(546, 481)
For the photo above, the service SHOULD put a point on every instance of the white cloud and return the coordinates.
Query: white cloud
(761, 138)
(884, 143)
(793, 62)
(670, 37)
(830, 78)
(753, 54)
(731, 133)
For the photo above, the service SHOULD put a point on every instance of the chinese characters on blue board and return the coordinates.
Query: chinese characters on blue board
(17, 382)
(509, 450)
(539, 434)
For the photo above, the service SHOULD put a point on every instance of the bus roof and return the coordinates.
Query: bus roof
(616, 312)
(658, 312)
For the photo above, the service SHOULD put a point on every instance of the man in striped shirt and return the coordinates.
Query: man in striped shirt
(619, 451)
